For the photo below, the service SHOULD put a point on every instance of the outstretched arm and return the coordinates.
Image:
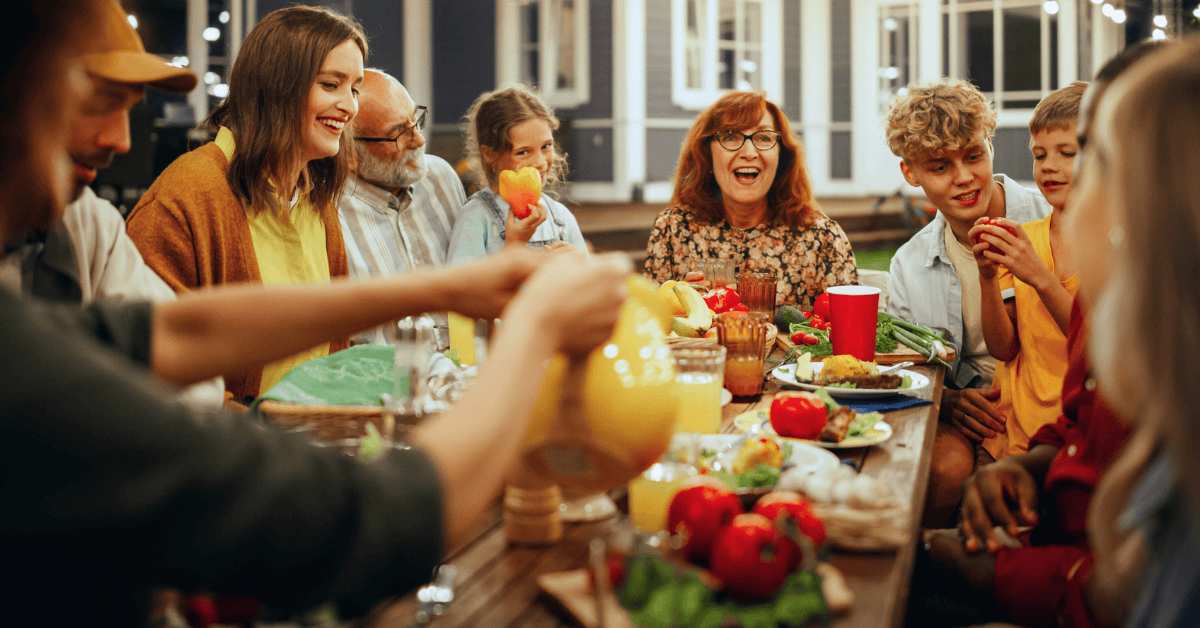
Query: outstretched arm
(226, 328)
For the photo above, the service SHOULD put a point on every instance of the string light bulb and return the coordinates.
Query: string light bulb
(1160, 20)
(1118, 16)
(1051, 7)
(1107, 9)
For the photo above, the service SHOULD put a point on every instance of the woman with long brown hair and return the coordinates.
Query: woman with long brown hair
(1136, 235)
(258, 203)
(742, 193)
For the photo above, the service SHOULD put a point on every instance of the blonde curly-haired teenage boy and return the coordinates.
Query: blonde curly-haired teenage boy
(942, 133)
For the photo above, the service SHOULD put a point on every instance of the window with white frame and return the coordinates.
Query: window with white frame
(1008, 48)
(545, 43)
(720, 45)
(898, 52)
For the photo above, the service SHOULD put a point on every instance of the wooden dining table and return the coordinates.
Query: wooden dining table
(497, 583)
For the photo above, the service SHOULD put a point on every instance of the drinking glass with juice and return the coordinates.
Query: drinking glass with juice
(743, 334)
(699, 374)
(650, 495)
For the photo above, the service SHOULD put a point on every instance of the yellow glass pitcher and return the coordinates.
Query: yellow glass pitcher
(603, 418)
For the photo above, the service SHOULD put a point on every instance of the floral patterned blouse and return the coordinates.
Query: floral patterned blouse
(808, 261)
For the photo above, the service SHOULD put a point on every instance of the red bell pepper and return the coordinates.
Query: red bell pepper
(722, 299)
(520, 189)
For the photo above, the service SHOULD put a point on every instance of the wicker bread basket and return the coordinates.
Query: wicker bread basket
(329, 423)
(768, 340)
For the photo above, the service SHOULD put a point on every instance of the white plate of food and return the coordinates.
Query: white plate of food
(762, 418)
(715, 448)
(786, 375)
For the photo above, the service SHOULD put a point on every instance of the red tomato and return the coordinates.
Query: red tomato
(806, 314)
(810, 339)
(821, 306)
(752, 558)
(995, 222)
(791, 504)
(816, 321)
(798, 338)
(698, 513)
(797, 415)
(721, 299)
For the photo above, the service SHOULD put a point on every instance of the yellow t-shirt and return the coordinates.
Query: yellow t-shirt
(1031, 383)
(290, 247)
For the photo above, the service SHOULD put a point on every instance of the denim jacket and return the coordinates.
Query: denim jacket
(923, 287)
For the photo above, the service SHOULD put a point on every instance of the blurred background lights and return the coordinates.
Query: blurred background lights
(212, 33)
(224, 17)
(132, 21)
(220, 90)
(211, 78)
(180, 61)
(1097, 1)
(1118, 16)
(1051, 7)
(1160, 21)
(890, 24)
(1107, 9)
(1196, 12)
(1158, 34)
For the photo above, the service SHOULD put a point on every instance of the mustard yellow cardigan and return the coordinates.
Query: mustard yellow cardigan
(192, 230)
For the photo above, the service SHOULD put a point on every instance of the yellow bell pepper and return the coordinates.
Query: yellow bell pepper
(521, 188)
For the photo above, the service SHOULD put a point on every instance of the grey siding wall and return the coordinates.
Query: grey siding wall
(600, 51)
(590, 152)
(464, 53)
(658, 64)
(662, 152)
(384, 24)
(791, 61)
(1012, 153)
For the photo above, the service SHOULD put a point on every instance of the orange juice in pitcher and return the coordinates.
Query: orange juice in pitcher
(603, 418)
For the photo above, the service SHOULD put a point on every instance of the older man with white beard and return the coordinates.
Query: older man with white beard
(398, 208)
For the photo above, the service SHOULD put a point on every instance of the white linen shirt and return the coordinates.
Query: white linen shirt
(923, 287)
(386, 235)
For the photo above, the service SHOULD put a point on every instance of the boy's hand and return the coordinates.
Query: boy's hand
(1016, 252)
(518, 231)
(971, 411)
(990, 496)
(988, 268)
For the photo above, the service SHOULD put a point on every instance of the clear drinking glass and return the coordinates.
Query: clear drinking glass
(718, 272)
(408, 402)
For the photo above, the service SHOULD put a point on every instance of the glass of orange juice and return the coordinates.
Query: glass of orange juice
(743, 334)
(699, 377)
(650, 495)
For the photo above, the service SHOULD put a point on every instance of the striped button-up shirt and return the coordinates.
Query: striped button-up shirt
(386, 234)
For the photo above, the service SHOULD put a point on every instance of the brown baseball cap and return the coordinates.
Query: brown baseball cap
(126, 60)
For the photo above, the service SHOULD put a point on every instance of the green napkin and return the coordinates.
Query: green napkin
(357, 376)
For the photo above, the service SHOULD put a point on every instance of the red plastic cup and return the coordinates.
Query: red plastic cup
(854, 312)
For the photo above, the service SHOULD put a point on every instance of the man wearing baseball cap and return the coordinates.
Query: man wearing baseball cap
(88, 256)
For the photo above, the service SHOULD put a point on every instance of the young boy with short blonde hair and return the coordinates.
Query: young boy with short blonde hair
(1025, 287)
(942, 132)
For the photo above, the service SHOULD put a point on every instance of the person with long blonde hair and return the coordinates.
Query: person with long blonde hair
(742, 192)
(1136, 235)
(259, 203)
